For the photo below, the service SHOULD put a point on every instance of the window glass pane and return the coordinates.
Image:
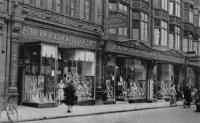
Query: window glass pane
(125, 31)
(113, 6)
(156, 3)
(142, 31)
(171, 8)
(120, 31)
(87, 9)
(199, 48)
(146, 32)
(142, 16)
(177, 10)
(136, 15)
(185, 45)
(171, 41)
(166, 37)
(163, 4)
(162, 37)
(191, 16)
(112, 31)
(166, 5)
(136, 24)
(177, 42)
(196, 46)
(135, 34)
(199, 21)
(125, 9)
(145, 17)
(190, 45)
(178, 1)
(157, 22)
(156, 36)
(58, 6)
(120, 7)
(72, 8)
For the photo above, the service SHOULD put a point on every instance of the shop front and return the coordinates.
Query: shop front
(141, 73)
(39, 74)
(164, 80)
(78, 65)
(125, 78)
(46, 56)
(129, 73)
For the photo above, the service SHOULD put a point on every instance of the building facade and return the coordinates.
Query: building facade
(113, 50)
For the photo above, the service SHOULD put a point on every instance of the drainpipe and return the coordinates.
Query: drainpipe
(152, 24)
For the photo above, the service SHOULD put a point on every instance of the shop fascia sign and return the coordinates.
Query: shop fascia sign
(116, 20)
(47, 34)
(133, 51)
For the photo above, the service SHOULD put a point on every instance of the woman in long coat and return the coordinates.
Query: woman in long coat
(70, 95)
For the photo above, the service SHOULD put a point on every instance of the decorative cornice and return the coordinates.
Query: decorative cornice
(173, 52)
(30, 12)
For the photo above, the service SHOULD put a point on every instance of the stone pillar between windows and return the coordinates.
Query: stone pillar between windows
(13, 90)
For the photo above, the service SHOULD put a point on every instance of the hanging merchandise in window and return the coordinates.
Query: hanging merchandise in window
(39, 78)
(79, 67)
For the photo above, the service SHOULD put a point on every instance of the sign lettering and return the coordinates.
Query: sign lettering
(129, 50)
(35, 32)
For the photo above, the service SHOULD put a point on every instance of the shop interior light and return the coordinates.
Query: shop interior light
(116, 67)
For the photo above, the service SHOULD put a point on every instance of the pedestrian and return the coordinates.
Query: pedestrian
(70, 96)
(187, 96)
(173, 94)
(60, 91)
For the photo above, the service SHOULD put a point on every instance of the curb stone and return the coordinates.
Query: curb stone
(91, 114)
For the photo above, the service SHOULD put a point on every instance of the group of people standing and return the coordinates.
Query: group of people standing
(66, 93)
(189, 95)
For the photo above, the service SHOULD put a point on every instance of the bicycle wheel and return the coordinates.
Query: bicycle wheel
(12, 113)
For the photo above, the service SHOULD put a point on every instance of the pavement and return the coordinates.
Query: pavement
(33, 114)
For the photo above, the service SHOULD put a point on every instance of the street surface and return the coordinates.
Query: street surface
(163, 115)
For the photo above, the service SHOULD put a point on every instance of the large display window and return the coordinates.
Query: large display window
(39, 80)
(129, 76)
(165, 79)
(109, 76)
(79, 66)
(131, 79)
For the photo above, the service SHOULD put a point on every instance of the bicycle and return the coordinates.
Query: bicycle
(11, 111)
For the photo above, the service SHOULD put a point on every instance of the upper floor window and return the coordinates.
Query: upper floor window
(188, 43)
(191, 17)
(122, 31)
(123, 8)
(113, 6)
(174, 37)
(156, 3)
(171, 8)
(1, 5)
(58, 6)
(177, 37)
(118, 7)
(164, 4)
(161, 32)
(87, 9)
(144, 27)
(178, 9)
(199, 21)
(196, 46)
(199, 48)
(72, 7)
(164, 34)
(35, 2)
